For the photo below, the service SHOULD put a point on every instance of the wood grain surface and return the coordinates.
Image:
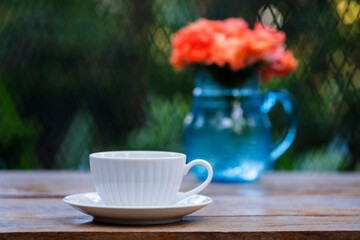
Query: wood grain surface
(278, 206)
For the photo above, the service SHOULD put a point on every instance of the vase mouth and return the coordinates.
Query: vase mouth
(222, 92)
(207, 80)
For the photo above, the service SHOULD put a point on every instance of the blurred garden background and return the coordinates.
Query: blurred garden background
(83, 76)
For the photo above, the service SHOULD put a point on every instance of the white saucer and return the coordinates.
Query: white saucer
(91, 203)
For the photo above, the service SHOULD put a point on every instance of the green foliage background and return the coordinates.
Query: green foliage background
(84, 76)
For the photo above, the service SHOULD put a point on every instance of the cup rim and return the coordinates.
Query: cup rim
(166, 155)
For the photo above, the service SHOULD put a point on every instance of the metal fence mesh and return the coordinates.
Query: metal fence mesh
(83, 76)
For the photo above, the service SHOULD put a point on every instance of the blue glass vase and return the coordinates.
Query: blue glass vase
(229, 128)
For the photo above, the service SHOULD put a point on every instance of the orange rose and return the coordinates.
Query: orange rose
(281, 64)
(262, 41)
(192, 44)
(234, 27)
(235, 43)
(218, 50)
(238, 53)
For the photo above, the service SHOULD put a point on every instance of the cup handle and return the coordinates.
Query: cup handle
(182, 195)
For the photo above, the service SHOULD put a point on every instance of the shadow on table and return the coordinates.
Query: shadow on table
(183, 223)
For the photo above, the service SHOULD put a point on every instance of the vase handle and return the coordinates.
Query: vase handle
(288, 135)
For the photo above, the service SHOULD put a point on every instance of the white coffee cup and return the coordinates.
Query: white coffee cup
(142, 178)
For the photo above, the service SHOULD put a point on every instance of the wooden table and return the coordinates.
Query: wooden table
(278, 206)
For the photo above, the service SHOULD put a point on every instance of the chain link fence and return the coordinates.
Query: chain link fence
(84, 76)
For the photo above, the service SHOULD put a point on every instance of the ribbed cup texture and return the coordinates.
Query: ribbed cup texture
(137, 182)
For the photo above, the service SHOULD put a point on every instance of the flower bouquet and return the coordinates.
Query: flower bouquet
(231, 51)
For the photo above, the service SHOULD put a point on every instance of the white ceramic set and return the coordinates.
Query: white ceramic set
(140, 187)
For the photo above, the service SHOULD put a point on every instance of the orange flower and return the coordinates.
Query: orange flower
(192, 43)
(234, 27)
(231, 46)
(231, 42)
(263, 40)
(238, 53)
(281, 64)
(218, 50)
